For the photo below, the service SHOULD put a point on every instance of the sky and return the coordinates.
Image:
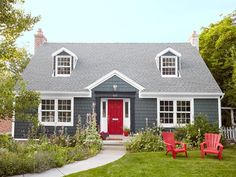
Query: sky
(122, 20)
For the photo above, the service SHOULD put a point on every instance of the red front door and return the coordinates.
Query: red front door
(115, 116)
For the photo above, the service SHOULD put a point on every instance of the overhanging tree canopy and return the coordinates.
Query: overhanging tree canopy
(13, 22)
(218, 49)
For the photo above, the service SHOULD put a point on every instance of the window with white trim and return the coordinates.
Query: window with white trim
(104, 109)
(175, 112)
(56, 112)
(63, 65)
(168, 66)
(183, 112)
(48, 110)
(166, 112)
(127, 109)
(64, 110)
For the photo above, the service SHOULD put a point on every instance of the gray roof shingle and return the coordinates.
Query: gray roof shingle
(135, 60)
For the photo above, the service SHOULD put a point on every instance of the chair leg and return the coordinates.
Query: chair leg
(174, 154)
(220, 156)
(202, 154)
(186, 154)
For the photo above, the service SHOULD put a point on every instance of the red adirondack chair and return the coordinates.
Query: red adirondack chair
(211, 145)
(170, 143)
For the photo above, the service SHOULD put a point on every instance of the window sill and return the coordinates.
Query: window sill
(57, 123)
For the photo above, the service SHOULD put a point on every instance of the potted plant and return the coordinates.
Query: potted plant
(126, 131)
(104, 135)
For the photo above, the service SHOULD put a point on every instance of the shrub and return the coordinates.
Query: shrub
(146, 141)
(45, 153)
(193, 134)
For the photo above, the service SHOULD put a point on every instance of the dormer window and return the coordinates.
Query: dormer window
(64, 61)
(169, 66)
(63, 65)
(168, 63)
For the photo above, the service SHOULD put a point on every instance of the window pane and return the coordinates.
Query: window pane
(64, 104)
(47, 104)
(126, 109)
(48, 116)
(64, 116)
(104, 109)
(63, 70)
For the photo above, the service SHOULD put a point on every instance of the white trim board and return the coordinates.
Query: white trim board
(118, 74)
(179, 94)
(65, 50)
(168, 50)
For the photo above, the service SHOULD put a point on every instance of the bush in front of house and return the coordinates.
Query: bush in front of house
(149, 140)
(193, 134)
(40, 155)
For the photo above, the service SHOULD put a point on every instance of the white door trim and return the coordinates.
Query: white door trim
(104, 116)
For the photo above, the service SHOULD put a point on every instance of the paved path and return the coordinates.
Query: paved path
(107, 155)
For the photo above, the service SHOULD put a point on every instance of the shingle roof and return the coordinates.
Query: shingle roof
(135, 60)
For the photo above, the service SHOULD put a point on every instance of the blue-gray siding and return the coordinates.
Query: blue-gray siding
(145, 108)
(208, 107)
(142, 108)
(122, 86)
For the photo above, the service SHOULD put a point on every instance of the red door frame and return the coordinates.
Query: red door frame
(115, 116)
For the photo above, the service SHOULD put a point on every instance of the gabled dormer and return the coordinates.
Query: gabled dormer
(64, 62)
(169, 63)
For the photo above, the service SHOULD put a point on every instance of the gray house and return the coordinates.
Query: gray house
(129, 84)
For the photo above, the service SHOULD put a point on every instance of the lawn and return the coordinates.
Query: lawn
(158, 164)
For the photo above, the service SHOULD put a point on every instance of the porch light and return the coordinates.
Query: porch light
(114, 88)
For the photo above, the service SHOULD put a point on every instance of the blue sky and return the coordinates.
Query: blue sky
(122, 20)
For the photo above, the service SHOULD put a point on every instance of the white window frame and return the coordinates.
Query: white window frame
(56, 123)
(176, 62)
(174, 124)
(56, 66)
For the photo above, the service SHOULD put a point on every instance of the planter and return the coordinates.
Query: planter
(126, 133)
(104, 135)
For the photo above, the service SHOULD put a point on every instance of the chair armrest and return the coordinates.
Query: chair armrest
(182, 144)
(168, 144)
(220, 146)
(202, 145)
(178, 142)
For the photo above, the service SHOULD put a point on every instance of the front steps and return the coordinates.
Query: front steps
(116, 140)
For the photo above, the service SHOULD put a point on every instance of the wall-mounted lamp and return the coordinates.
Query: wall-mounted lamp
(114, 88)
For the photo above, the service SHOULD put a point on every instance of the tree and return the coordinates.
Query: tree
(218, 48)
(13, 60)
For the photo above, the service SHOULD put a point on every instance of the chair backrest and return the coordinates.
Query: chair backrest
(212, 140)
(168, 137)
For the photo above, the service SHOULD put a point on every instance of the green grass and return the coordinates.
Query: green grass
(151, 164)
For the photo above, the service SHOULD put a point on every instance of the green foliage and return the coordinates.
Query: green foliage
(13, 60)
(149, 140)
(218, 48)
(193, 134)
(92, 135)
(45, 153)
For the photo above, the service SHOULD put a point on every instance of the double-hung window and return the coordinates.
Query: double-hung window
(63, 65)
(166, 112)
(175, 112)
(56, 112)
(169, 66)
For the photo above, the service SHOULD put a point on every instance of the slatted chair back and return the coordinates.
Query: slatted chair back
(168, 137)
(212, 140)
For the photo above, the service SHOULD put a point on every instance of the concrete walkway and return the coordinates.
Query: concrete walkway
(108, 154)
